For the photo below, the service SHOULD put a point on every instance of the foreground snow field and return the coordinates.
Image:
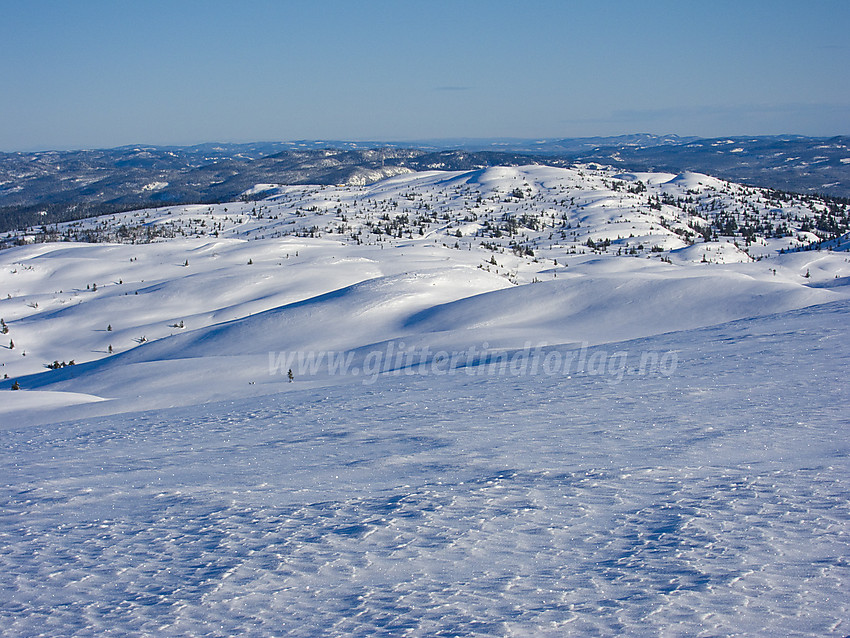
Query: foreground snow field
(713, 501)
(504, 434)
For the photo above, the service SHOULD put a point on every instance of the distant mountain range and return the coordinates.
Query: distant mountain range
(51, 186)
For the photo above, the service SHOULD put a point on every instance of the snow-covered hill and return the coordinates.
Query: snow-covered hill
(501, 256)
(45, 187)
(530, 400)
(713, 501)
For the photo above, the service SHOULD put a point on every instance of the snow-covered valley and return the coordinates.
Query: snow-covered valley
(524, 401)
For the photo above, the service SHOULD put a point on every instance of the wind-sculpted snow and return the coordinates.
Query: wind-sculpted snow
(447, 310)
(712, 501)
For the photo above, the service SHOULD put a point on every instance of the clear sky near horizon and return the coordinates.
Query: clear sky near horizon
(101, 73)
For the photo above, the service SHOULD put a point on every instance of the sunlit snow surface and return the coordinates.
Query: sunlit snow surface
(711, 501)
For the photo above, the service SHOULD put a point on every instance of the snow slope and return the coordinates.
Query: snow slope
(713, 501)
(525, 401)
(446, 308)
(491, 258)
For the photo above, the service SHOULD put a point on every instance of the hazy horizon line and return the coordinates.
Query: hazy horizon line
(414, 142)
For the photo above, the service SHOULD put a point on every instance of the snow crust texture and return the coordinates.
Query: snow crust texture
(710, 502)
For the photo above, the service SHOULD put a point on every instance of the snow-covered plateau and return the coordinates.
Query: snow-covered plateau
(514, 401)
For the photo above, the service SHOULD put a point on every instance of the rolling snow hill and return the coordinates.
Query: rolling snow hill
(501, 256)
(53, 186)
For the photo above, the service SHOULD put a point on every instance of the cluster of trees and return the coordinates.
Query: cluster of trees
(56, 365)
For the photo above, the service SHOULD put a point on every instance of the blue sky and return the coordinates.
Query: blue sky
(93, 73)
